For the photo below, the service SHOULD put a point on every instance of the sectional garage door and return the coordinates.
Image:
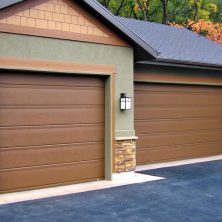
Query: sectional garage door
(51, 130)
(177, 122)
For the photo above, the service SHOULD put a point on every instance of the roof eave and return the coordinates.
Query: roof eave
(191, 63)
(184, 65)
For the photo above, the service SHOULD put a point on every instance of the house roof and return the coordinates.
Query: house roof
(164, 43)
(176, 44)
(5, 3)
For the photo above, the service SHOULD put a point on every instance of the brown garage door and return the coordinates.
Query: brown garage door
(177, 122)
(51, 130)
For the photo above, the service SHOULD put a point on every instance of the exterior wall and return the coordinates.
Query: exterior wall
(63, 19)
(54, 15)
(165, 74)
(27, 47)
(57, 50)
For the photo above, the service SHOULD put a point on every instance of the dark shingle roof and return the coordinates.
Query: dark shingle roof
(176, 44)
(5, 3)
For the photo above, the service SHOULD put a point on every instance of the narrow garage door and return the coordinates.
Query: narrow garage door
(177, 122)
(51, 130)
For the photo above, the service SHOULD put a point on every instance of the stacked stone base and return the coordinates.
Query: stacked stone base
(125, 155)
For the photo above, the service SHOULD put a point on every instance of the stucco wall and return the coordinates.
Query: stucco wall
(30, 47)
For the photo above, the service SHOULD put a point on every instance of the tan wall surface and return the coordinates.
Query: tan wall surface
(54, 15)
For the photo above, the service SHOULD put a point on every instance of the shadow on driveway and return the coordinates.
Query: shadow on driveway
(190, 193)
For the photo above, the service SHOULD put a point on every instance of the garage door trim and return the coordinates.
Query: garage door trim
(109, 72)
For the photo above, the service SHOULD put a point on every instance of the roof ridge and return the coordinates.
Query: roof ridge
(155, 23)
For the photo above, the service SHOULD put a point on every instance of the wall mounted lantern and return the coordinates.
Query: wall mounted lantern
(125, 102)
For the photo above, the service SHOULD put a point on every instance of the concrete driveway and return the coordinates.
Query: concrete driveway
(190, 193)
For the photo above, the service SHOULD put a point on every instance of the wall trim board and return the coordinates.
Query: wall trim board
(16, 29)
(177, 79)
(54, 66)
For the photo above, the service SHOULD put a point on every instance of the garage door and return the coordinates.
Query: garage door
(177, 122)
(51, 130)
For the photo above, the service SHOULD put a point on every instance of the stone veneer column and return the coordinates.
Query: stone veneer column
(125, 155)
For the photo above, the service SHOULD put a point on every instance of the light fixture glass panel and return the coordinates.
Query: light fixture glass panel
(128, 105)
(123, 105)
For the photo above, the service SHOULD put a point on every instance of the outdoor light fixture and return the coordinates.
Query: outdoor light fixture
(125, 102)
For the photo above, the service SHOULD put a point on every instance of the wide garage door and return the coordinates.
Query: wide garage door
(51, 130)
(177, 122)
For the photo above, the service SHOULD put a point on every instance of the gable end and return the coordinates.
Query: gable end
(56, 19)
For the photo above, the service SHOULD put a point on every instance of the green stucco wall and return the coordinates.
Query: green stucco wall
(30, 47)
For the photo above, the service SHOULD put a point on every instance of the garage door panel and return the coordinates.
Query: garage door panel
(50, 96)
(49, 175)
(153, 140)
(47, 80)
(172, 115)
(178, 152)
(51, 129)
(162, 112)
(51, 115)
(41, 155)
(177, 99)
(170, 88)
(26, 136)
(176, 125)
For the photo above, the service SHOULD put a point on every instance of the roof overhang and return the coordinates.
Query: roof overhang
(174, 64)
(218, 66)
